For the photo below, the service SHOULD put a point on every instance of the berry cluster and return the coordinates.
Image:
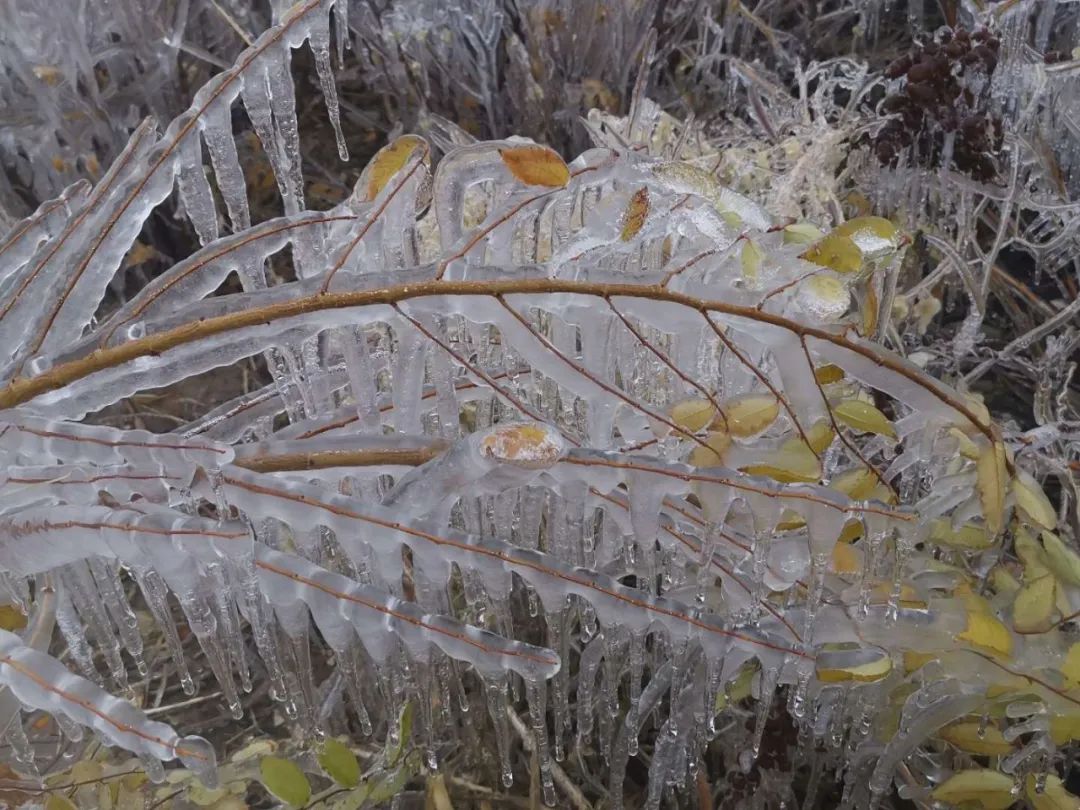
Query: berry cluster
(945, 89)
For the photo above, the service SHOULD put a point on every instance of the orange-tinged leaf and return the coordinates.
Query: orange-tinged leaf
(990, 480)
(389, 160)
(523, 444)
(635, 215)
(536, 166)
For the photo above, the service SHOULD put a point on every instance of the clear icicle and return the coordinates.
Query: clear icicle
(156, 595)
(536, 694)
(319, 37)
(497, 697)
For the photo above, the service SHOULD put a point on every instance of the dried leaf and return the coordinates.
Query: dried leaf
(975, 738)
(984, 788)
(864, 417)
(990, 480)
(750, 414)
(1033, 609)
(636, 213)
(285, 780)
(389, 160)
(536, 166)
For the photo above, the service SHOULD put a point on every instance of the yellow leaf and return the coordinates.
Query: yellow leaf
(523, 444)
(990, 480)
(751, 258)
(1070, 667)
(846, 559)
(837, 252)
(862, 665)
(828, 373)
(1002, 580)
(1053, 796)
(968, 448)
(693, 414)
(857, 484)
(1064, 728)
(636, 214)
(864, 417)
(1064, 562)
(793, 463)
(820, 436)
(914, 660)
(389, 160)
(851, 532)
(1033, 609)
(973, 738)
(824, 296)
(712, 455)
(870, 310)
(11, 618)
(1032, 501)
(969, 535)
(987, 789)
(1031, 554)
(873, 236)
(986, 633)
(800, 233)
(536, 166)
(750, 414)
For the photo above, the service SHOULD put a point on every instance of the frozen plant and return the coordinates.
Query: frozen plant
(602, 441)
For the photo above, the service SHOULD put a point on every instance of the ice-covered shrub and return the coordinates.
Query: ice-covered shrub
(604, 439)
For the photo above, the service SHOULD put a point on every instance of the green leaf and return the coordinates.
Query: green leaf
(285, 780)
(339, 763)
(393, 754)
(390, 785)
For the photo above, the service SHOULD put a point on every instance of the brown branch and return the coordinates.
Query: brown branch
(325, 459)
(24, 389)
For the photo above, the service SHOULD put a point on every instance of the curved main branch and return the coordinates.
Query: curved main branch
(24, 389)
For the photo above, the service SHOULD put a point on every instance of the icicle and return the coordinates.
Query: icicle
(155, 593)
(87, 601)
(350, 664)
(229, 624)
(75, 636)
(496, 699)
(21, 749)
(112, 593)
(218, 135)
(319, 38)
(536, 693)
(202, 623)
(770, 677)
(637, 666)
(195, 190)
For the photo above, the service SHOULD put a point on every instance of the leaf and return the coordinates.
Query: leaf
(339, 762)
(864, 417)
(990, 480)
(750, 414)
(1064, 562)
(389, 160)
(1031, 554)
(857, 484)
(860, 665)
(1053, 796)
(824, 296)
(873, 236)
(837, 252)
(751, 258)
(820, 436)
(635, 215)
(828, 374)
(987, 789)
(1064, 728)
(693, 414)
(437, 793)
(986, 633)
(739, 688)
(968, 536)
(846, 559)
(11, 618)
(1032, 501)
(390, 785)
(1033, 609)
(712, 455)
(285, 781)
(536, 166)
(404, 725)
(801, 233)
(974, 738)
(793, 463)
(58, 802)
(1070, 667)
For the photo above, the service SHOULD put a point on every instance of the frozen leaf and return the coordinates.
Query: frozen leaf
(968, 448)
(862, 665)
(824, 296)
(1070, 667)
(1032, 501)
(991, 475)
(284, 779)
(58, 802)
(985, 632)
(1064, 728)
(390, 785)
(1033, 609)
(389, 160)
(982, 788)
(1064, 562)
(339, 762)
(536, 166)
(801, 233)
(738, 689)
(1002, 580)
(712, 454)
(404, 732)
(793, 463)
(977, 738)
(11, 618)
(846, 559)
(968, 536)
(532, 446)
(751, 258)
(693, 414)
(1051, 796)
(749, 415)
(635, 215)
(864, 417)
(873, 236)
(820, 436)
(1033, 555)
(837, 252)
(828, 374)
